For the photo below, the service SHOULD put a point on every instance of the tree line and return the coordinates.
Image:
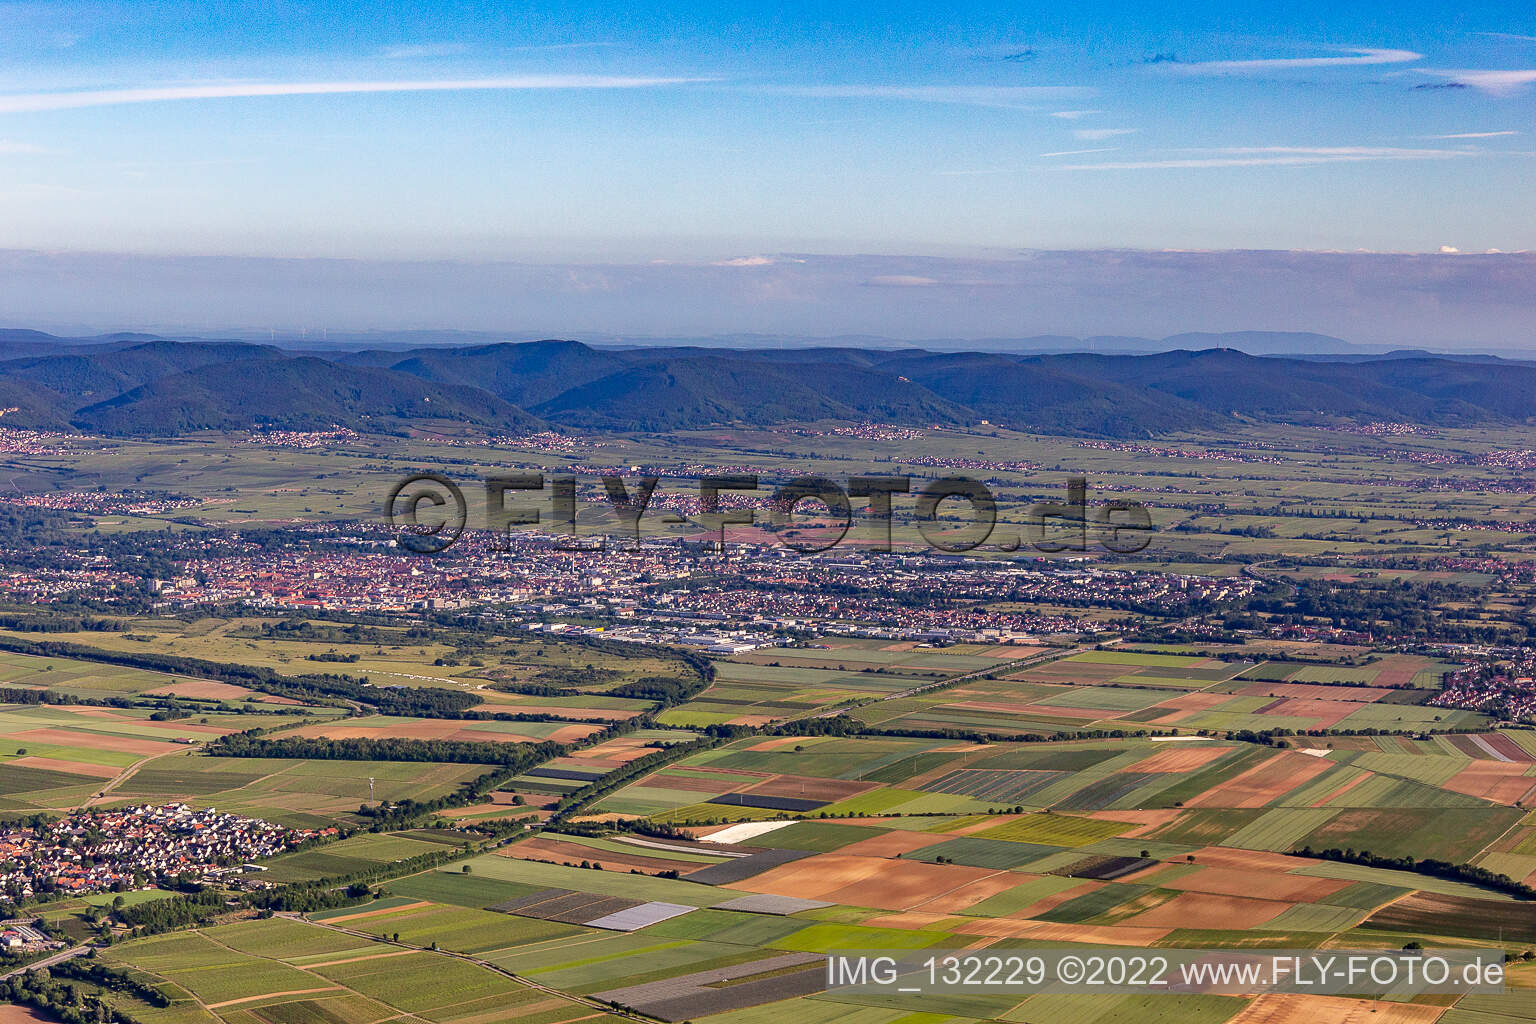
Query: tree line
(521, 756)
(1470, 873)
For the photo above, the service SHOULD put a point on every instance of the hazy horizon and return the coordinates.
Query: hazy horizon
(1473, 302)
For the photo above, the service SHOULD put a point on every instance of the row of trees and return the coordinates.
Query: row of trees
(521, 756)
(1469, 873)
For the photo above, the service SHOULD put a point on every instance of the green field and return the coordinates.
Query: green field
(286, 972)
(346, 857)
(1053, 830)
(306, 793)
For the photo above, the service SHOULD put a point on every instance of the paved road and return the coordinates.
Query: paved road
(1254, 570)
(59, 957)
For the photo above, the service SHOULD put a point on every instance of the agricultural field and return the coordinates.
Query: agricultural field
(243, 641)
(763, 903)
(1271, 798)
(482, 731)
(287, 972)
(308, 794)
(897, 842)
(359, 852)
(1170, 692)
(1060, 788)
(62, 756)
(387, 655)
(94, 681)
(781, 683)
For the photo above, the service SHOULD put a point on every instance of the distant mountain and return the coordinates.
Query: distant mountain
(32, 407)
(1420, 390)
(525, 374)
(1264, 343)
(1030, 396)
(1228, 383)
(701, 390)
(301, 394)
(128, 385)
(101, 371)
(1252, 342)
(17, 343)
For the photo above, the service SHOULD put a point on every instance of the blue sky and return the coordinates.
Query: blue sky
(709, 133)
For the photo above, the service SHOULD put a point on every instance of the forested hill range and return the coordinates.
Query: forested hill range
(141, 385)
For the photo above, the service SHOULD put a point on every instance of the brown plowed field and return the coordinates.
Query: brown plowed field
(776, 743)
(122, 744)
(1179, 758)
(1211, 910)
(1267, 885)
(1264, 782)
(1324, 713)
(1287, 1008)
(53, 764)
(957, 901)
(890, 844)
(1188, 705)
(1247, 860)
(865, 881)
(1503, 782)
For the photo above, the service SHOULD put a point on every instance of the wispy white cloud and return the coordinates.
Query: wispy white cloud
(1494, 83)
(1081, 152)
(12, 147)
(412, 51)
(1074, 115)
(902, 281)
(1277, 156)
(33, 102)
(1470, 135)
(1352, 57)
(1010, 97)
(1100, 134)
(746, 261)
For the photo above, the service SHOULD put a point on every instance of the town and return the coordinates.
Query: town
(663, 589)
(129, 848)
